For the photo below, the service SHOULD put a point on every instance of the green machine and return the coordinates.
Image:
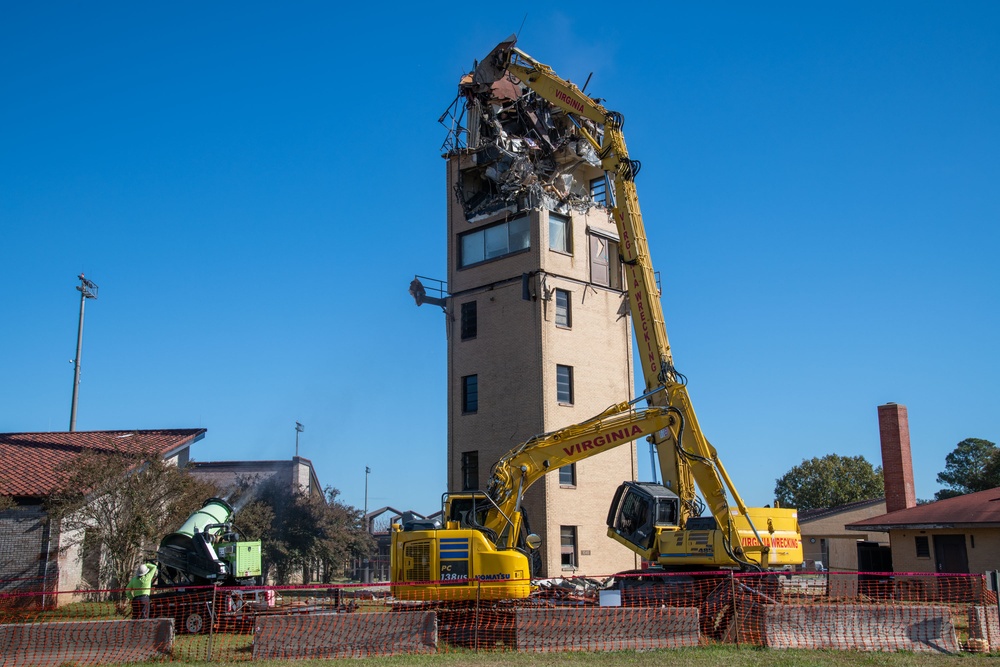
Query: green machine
(205, 551)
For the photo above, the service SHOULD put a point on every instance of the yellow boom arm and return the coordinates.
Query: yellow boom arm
(686, 457)
(525, 464)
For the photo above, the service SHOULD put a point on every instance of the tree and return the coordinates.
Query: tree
(344, 537)
(974, 465)
(300, 532)
(122, 504)
(830, 481)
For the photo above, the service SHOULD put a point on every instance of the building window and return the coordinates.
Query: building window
(494, 241)
(559, 233)
(605, 264)
(567, 475)
(564, 384)
(923, 546)
(90, 556)
(563, 309)
(567, 540)
(470, 471)
(470, 394)
(469, 321)
(599, 190)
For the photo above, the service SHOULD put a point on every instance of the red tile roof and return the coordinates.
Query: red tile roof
(30, 462)
(978, 509)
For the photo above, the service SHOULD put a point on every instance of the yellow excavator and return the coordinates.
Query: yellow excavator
(482, 550)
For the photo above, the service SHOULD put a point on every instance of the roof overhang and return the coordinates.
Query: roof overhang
(885, 528)
(200, 435)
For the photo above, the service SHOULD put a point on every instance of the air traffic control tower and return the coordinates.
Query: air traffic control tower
(539, 335)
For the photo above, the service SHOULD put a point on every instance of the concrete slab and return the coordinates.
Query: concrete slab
(606, 628)
(85, 642)
(920, 628)
(344, 635)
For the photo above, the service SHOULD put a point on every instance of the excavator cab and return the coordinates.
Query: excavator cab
(469, 510)
(638, 509)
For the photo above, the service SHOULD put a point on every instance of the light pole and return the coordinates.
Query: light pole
(298, 429)
(367, 576)
(88, 290)
(368, 471)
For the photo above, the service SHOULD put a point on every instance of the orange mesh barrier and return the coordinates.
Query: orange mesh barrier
(868, 611)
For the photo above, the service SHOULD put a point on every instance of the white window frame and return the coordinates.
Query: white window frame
(564, 312)
(569, 381)
(560, 240)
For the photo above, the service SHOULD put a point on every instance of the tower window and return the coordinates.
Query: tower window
(567, 475)
(470, 470)
(605, 264)
(494, 241)
(567, 543)
(564, 384)
(559, 233)
(599, 191)
(469, 320)
(470, 394)
(563, 309)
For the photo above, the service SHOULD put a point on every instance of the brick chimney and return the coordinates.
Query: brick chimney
(897, 464)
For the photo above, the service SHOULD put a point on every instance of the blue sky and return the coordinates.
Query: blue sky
(252, 186)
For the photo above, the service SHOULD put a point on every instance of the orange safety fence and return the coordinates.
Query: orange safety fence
(647, 610)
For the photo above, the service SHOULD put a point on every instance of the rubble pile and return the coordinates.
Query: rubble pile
(520, 152)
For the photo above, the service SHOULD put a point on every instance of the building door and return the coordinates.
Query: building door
(874, 557)
(874, 562)
(950, 554)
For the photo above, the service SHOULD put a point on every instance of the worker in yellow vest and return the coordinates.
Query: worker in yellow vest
(138, 589)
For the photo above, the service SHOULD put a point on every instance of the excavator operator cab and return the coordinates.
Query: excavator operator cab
(469, 510)
(638, 507)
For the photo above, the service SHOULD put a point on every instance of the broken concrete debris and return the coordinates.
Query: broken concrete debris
(516, 151)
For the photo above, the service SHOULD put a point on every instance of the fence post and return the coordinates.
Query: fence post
(736, 607)
(479, 588)
(993, 584)
(211, 623)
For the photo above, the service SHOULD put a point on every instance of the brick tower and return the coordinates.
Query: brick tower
(539, 335)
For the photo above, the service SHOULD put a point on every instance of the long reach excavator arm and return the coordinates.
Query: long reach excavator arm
(688, 462)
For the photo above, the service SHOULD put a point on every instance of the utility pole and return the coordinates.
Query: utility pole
(298, 429)
(88, 290)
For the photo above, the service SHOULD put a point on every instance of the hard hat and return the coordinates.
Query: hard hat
(142, 571)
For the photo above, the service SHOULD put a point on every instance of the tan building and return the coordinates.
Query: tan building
(230, 477)
(828, 545)
(953, 536)
(538, 331)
